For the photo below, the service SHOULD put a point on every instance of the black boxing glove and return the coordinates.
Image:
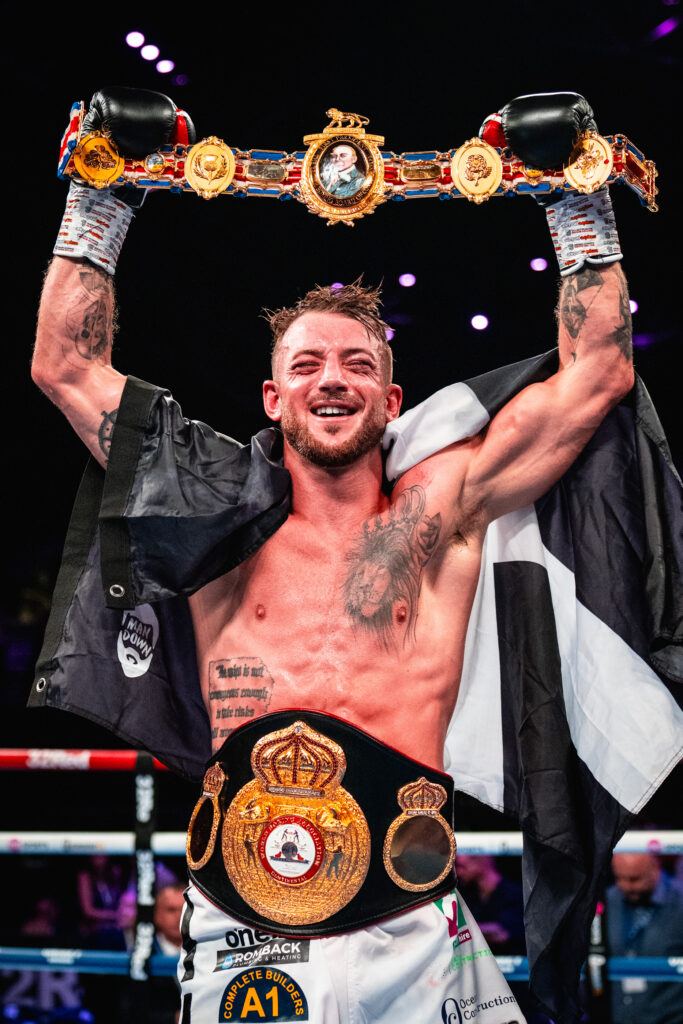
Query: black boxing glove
(138, 121)
(541, 128)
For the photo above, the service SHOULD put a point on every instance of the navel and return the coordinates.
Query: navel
(401, 613)
(260, 611)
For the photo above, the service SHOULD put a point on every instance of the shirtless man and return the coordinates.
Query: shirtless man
(358, 593)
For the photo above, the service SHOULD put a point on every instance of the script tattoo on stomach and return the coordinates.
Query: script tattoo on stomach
(385, 567)
(239, 689)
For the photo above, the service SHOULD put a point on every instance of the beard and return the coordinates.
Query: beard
(313, 450)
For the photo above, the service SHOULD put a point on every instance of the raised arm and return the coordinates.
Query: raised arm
(72, 356)
(76, 319)
(535, 438)
(538, 434)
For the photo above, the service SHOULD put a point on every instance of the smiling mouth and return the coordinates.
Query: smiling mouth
(333, 411)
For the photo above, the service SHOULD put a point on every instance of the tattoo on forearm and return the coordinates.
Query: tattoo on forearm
(104, 434)
(623, 333)
(386, 564)
(90, 322)
(573, 309)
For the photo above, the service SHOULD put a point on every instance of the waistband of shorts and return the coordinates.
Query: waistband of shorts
(379, 831)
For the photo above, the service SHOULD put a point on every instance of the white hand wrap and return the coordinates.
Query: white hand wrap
(583, 230)
(93, 227)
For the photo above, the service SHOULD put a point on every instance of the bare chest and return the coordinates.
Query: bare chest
(351, 626)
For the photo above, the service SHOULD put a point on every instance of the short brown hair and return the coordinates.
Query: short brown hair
(355, 301)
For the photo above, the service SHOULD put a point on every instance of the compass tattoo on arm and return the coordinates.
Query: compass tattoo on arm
(385, 567)
(105, 432)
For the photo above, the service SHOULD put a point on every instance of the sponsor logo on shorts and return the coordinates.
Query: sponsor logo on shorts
(457, 926)
(137, 639)
(457, 1011)
(460, 959)
(263, 994)
(247, 948)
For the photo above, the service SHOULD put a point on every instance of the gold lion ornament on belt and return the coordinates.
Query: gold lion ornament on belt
(292, 849)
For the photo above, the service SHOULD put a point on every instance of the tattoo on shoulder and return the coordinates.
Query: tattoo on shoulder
(90, 322)
(386, 564)
(104, 434)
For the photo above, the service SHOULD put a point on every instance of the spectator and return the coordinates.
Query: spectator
(644, 918)
(157, 1001)
(100, 887)
(495, 902)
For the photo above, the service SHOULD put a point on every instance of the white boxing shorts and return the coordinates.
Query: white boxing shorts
(430, 965)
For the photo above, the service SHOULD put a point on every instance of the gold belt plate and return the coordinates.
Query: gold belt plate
(296, 845)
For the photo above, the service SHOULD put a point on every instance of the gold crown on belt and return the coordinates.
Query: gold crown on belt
(421, 797)
(298, 759)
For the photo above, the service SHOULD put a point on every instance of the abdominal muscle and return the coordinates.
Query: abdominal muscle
(274, 635)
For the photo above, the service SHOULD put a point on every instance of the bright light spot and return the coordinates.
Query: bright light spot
(389, 333)
(664, 28)
(164, 66)
(336, 286)
(479, 322)
(135, 39)
(539, 264)
(149, 52)
(181, 80)
(407, 280)
(634, 306)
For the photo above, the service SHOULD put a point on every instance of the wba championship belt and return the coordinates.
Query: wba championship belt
(297, 832)
(344, 174)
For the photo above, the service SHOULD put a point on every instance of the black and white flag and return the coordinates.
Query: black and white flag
(569, 711)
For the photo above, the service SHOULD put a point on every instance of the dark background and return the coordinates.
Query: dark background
(194, 275)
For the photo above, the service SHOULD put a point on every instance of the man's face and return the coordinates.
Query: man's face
(342, 158)
(168, 910)
(636, 874)
(331, 396)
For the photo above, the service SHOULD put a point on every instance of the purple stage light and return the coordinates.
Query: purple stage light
(135, 39)
(180, 80)
(389, 333)
(149, 52)
(634, 306)
(664, 28)
(407, 280)
(164, 66)
(643, 340)
(539, 264)
(336, 286)
(479, 322)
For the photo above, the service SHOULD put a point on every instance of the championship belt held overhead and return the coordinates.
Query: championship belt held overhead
(344, 174)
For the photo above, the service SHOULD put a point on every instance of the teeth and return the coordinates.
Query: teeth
(331, 410)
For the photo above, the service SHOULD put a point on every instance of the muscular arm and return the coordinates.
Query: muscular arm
(539, 433)
(72, 356)
(535, 438)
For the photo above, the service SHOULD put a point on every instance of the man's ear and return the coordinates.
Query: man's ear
(271, 400)
(394, 398)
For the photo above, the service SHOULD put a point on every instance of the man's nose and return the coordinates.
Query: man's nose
(333, 375)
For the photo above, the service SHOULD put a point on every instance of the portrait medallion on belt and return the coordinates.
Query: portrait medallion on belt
(296, 845)
(342, 175)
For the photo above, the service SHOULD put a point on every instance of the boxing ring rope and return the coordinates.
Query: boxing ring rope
(122, 843)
